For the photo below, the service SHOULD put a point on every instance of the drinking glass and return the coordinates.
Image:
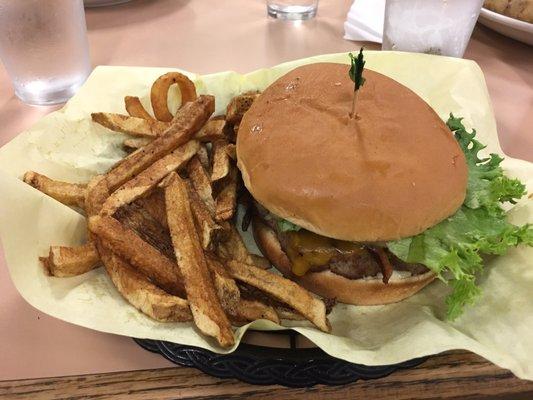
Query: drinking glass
(43, 46)
(430, 26)
(292, 9)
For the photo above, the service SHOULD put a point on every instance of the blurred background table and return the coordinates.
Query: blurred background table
(204, 37)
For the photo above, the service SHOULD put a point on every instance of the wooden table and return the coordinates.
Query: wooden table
(205, 36)
(452, 375)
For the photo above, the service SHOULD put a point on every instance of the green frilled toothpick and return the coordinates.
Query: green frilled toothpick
(356, 75)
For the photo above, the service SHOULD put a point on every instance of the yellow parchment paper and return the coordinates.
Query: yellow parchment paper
(66, 145)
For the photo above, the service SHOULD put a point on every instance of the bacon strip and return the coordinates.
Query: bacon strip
(386, 266)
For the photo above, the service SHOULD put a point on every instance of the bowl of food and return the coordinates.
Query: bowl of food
(510, 18)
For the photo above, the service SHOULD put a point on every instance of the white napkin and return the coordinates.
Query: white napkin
(365, 21)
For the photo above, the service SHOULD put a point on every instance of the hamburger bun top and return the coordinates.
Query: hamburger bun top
(392, 172)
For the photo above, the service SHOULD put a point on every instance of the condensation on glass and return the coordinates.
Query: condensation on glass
(43, 46)
(439, 27)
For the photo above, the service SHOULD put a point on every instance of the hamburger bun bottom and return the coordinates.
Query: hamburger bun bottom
(363, 292)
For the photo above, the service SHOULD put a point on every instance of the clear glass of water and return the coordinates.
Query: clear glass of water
(43, 46)
(292, 9)
(430, 26)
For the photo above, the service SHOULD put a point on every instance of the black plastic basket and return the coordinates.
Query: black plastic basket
(260, 365)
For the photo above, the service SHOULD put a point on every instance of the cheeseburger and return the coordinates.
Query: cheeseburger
(351, 207)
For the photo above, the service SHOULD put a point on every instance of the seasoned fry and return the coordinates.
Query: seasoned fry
(148, 179)
(187, 121)
(232, 151)
(238, 106)
(207, 228)
(226, 288)
(233, 133)
(135, 217)
(287, 313)
(211, 131)
(205, 306)
(136, 252)
(203, 156)
(97, 193)
(154, 204)
(159, 93)
(233, 248)
(135, 108)
(282, 289)
(71, 261)
(251, 310)
(133, 144)
(226, 201)
(141, 293)
(70, 194)
(201, 182)
(130, 125)
(260, 262)
(221, 160)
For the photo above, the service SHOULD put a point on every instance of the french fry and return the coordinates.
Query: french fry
(141, 293)
(135, 217)
(221, 160)
(154, 204)
(203, 156)
(130, 125)
(208, 230)
(282, 310)
(260, 262)
(233, 247)
(213, 130)
(186, 122)
(283, 290)
(205, 306)
(231, 149)
(287, 313)
(148, 179)
(65, 261)
(238, 106)
(135, 108)
(159, 93)
(97, 192)
(226, 288)
(70, 194)
(251, 310)
(201, 182)
(233, 133)
(226, 201)
(133, 144)
(138, 253)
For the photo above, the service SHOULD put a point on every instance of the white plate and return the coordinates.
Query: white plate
(511, 27)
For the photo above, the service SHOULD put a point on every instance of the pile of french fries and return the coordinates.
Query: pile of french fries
(161, 221)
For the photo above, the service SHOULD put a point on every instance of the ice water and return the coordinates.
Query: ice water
(43, 46)
(292, 9)
(430, 26)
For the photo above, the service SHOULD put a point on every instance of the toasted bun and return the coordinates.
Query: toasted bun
(393, 172)
(363, 292)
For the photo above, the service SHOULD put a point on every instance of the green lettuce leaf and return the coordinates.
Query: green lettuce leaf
(453, 248)
(285, 226)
